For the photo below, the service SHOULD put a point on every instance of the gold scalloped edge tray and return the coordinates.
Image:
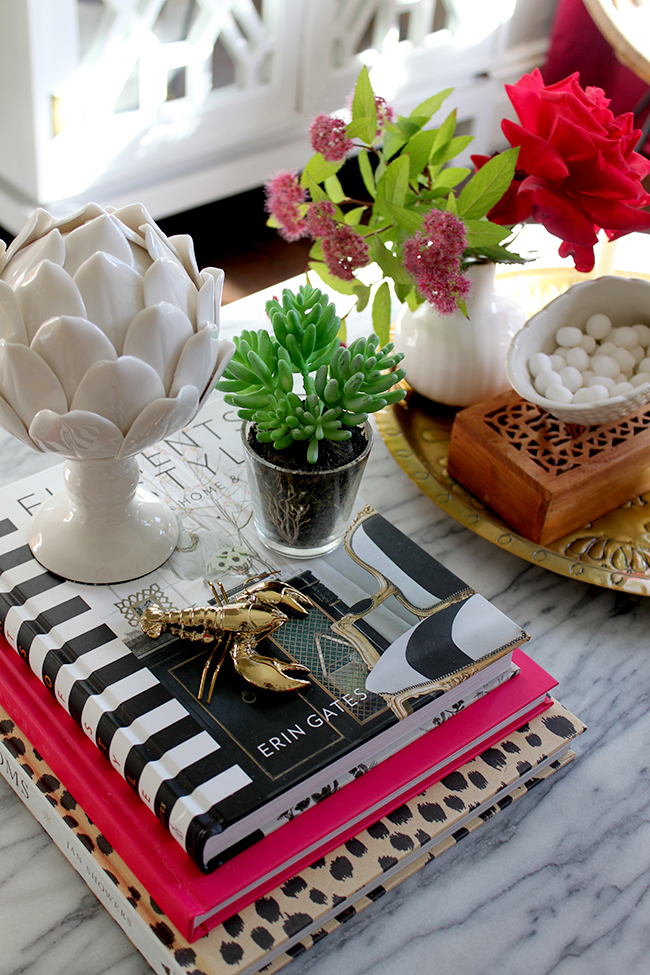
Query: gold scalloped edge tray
(613, 552)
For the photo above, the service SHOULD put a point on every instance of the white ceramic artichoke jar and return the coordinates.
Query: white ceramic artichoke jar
(109, 342)
(456, 360)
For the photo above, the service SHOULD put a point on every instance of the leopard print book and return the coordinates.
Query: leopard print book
(241, 943)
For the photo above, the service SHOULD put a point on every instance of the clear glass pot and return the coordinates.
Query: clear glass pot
(302, 513)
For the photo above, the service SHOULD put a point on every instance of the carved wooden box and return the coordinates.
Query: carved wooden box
(541, 476)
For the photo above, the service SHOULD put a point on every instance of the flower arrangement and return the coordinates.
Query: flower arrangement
(341, 386)
(411, 222)
(577, 169)
(571, 166)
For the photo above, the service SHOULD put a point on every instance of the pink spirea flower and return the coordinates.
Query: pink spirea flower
(319, 219)
(345, 250)
(284, 195)
(385, 113)
(328, 136)
(432, 258)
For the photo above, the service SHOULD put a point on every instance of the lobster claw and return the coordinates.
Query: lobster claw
(267, 672)
(276, 593)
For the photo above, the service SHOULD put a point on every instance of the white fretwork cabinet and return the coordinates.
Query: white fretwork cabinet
(179, 102)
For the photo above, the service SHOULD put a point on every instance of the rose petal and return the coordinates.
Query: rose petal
(615, 215)
(157, 336)
(112, 293)
(27, 382)
(526, 103)
(46, 292)
(70, 346)
(11, 316)
(118, 390)
(537, 156)
(571, 142)
(513, 207)
(639, 165)
(100, 234)
(596, 176)
(77, 434)
(583, 257)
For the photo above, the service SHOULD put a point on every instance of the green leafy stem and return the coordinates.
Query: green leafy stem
(406, 172)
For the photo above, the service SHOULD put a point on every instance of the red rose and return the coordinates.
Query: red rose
(577, 170)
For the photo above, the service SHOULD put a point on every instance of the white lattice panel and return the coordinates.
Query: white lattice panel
(140, 56)
(144, 91)
(413, 47)
(178, 102)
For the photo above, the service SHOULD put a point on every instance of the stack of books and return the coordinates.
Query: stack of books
(272, 817)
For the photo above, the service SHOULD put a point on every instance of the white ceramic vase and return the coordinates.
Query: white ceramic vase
(456, 360)
(109, 342)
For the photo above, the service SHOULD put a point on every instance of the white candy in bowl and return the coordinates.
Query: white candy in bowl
(585, 357)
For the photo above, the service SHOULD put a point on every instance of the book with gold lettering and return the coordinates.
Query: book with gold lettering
(196, 902)
(394, 642)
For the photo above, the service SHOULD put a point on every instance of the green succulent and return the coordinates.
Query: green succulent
(341, 386)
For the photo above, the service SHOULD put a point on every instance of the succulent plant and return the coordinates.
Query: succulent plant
(340, 386)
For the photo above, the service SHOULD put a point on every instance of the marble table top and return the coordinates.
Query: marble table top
(558, 883)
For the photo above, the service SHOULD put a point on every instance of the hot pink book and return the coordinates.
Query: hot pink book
(196, 902)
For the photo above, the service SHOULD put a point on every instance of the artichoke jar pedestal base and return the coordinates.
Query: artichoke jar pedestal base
(103, 528)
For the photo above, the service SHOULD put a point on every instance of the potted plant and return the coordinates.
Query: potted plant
(306, 449)
(380, 191)
(383, 202)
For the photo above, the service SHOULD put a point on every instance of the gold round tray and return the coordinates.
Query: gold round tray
(613, 552)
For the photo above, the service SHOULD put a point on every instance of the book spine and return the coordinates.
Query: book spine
(114, 698)
(76, 837)
(106, 890)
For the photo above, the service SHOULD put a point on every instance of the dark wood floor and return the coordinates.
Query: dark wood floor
(232, 234)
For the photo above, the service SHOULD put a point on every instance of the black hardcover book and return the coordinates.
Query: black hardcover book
(393, 640)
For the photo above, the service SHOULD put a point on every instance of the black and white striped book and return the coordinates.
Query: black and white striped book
(395, 643)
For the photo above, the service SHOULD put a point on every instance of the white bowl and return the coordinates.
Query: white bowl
(625, 300)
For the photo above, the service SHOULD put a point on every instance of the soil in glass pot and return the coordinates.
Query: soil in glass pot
(301, 510)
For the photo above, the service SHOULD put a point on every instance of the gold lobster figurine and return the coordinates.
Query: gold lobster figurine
(238, 627)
